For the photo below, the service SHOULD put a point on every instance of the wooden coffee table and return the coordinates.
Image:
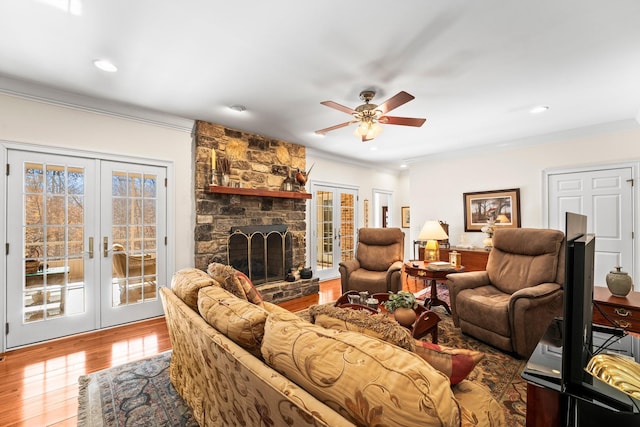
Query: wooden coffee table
(420, 270)
(426, 321)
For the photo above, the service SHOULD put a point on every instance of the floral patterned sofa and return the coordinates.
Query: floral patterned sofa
(238, 361)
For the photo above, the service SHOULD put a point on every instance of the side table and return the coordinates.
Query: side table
(420, 269)
(623, 312)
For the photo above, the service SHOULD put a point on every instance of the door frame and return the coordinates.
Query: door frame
(377, 194)
(6, 145)
(311, 228)
(635, 195)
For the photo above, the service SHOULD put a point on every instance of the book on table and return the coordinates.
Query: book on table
(439, 265)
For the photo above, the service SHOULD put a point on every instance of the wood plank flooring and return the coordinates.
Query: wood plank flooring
(39, 384)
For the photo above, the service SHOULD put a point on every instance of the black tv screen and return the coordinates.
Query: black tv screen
(578, 302)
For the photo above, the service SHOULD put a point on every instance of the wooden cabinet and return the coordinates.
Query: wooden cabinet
(623, 311)
(471, 259)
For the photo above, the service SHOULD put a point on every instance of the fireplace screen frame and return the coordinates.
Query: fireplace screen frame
(251, 234)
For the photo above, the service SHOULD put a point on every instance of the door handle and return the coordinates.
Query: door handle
(90, 247)
(105, 246)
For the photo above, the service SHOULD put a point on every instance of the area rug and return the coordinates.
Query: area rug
(135, 394)
(498, 371)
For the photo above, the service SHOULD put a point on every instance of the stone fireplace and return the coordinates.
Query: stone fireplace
(252, 224)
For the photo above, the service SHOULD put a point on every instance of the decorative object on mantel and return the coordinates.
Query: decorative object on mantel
(223, 165)
(619, 282)
(302, 177)
(287, 184)
(213, 167)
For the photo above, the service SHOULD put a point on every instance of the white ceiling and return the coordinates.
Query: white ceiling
(475, 67)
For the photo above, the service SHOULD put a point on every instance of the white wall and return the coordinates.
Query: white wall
(443, 179)
(35, 122)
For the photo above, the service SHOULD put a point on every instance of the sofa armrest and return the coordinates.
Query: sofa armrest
(394, 277)
(350, 265)
(472, 279)
(542, 303)
(538, 291)
(457, 282)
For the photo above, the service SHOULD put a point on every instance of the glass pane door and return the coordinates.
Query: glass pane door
(49, 263)
(333, 229)
(134, 217)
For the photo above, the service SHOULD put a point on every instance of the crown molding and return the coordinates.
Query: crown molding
(49, 95)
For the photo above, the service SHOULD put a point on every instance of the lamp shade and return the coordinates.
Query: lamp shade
(432, 230)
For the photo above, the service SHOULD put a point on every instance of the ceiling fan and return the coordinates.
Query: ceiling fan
(370, 116)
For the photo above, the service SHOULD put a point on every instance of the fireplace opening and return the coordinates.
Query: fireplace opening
(262, 252)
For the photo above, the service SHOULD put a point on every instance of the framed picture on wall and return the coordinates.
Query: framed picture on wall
(404, 214)
(501, 206)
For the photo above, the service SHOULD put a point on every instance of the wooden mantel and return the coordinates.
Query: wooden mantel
(219, 189)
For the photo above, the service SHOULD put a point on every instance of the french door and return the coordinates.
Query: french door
(333, 229)
(65, 217)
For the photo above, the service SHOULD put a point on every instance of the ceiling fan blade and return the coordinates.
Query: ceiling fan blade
(338, 107)
(329, 129)
(395, 101)
(404, 121)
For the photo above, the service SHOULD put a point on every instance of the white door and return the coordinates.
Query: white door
(50, 267)
(63, 218)
(606, 198)
(132, 241)
(333, 228)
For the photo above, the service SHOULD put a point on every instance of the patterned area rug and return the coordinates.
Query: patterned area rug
(135, 394)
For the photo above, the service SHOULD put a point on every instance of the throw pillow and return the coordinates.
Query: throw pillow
(375, 325)
(236, 318)
(235, 282)
(455, 363)
(187, 282)
(250, 291)
(368, 381)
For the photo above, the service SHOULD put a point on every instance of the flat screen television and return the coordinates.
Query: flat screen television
(592, 403)
(578, 302)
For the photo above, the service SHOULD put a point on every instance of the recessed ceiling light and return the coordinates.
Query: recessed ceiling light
(403, 166)
(105, 65)
(238, 108)
(373, 148)
(539, 109)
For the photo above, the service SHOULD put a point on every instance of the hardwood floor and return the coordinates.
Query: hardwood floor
(39, 384)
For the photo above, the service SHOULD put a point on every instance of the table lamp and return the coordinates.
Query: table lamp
(432, 231)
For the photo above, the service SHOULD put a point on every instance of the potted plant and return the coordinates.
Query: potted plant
(402, 304)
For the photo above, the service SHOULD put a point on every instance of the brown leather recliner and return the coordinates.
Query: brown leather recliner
(378, 263)
(511, 304)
